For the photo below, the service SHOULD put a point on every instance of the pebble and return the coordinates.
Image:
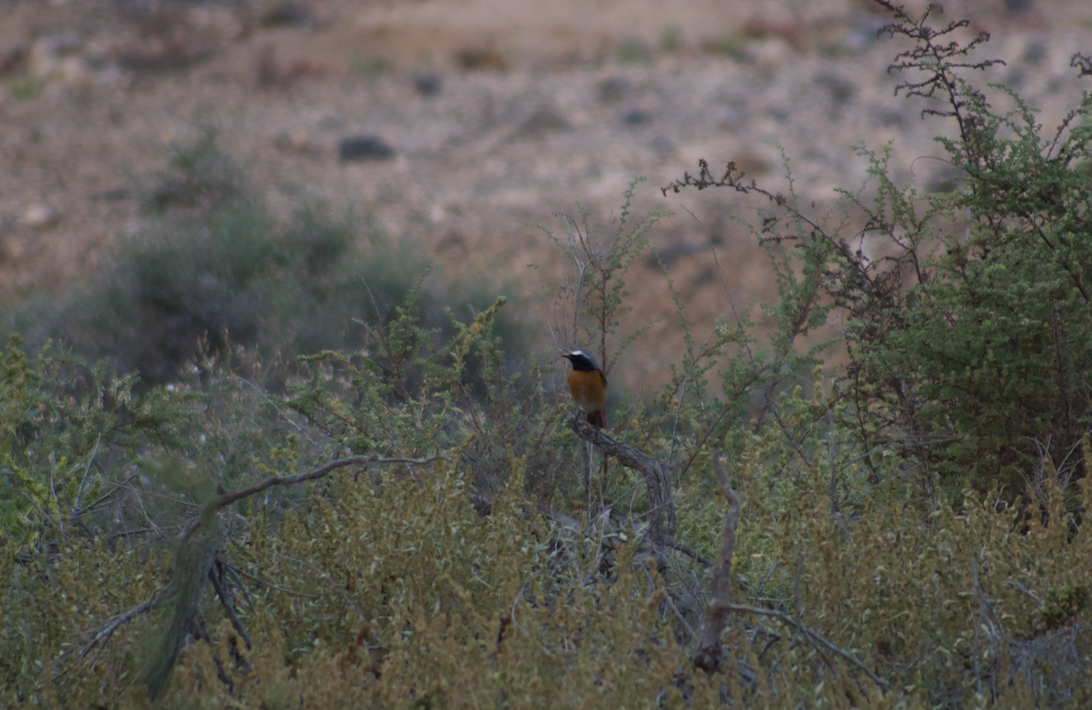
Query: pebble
(613, 89)
(428, 84)
(545, 119)
(362, 148)
(41, 217)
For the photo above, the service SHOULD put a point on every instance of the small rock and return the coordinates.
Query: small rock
(544, 120)
(1019, 7)
(613, 89)
(287, 14)
(1035, 52)
(363, 147)
(480, 59)
(428, 84)
(12, 59)
(860, 37)
(50, 53)
(59, 45)
(41, 217)
(74, 72)
(112, 195)
(892, 118)
(778, 113)
(42, 60)
(770, 54)
(841, 90)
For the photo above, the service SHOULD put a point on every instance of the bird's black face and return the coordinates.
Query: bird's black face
(582, 362)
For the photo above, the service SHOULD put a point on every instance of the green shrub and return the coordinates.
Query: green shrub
(634, 50)
(389, 587)
(212, 266)
(479, 577)
(968, 324)
(198, 175)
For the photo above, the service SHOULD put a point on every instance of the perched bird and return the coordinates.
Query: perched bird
(589, 386)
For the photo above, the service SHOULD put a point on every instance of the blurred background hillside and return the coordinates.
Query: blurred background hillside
(145, 146)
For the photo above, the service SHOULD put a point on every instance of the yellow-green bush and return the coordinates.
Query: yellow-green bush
(869, 571)
(378, 592)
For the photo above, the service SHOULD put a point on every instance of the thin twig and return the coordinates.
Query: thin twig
(234, 572)
(202, 543)
(985, 612)
(103, 633)
(105, 497)
(1027, 592)
(765, 580)
(798, 604)
(41, 512)
(812, 636)
(689, 552)
(284, 414)
(56, 501)
(515, 602)
(86, 472)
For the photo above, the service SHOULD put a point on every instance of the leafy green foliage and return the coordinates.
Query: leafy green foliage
(57, 412)
(967, 317)
(994, 327)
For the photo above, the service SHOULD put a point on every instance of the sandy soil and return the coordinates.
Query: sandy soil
(539, 105)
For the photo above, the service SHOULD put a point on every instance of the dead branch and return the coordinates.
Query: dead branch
(103, 633)
(708, 649)
(230, 498)
(216, 576)
(656, 473)
(198, 560)
(814, 638)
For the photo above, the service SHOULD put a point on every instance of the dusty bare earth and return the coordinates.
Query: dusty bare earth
(531, 107)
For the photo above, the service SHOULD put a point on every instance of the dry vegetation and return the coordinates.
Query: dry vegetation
(408, 519)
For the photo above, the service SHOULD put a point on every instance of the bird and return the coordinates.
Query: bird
(588, 385)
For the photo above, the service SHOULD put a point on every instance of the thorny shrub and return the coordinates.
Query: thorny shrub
(968, 317)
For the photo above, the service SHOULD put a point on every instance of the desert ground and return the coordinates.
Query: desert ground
(498, 115)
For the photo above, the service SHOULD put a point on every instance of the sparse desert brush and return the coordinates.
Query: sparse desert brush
(213, 264)
(385, 585)
(408, 524)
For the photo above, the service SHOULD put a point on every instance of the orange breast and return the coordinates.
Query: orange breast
(589, 390)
